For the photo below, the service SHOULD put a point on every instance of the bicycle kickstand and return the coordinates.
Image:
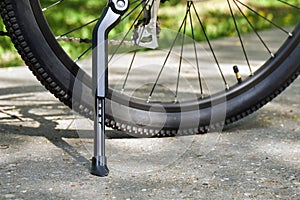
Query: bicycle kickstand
(109, 18)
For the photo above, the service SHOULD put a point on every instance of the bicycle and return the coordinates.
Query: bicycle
(158, 107)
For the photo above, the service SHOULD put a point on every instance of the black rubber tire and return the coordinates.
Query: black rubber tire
(54, 69)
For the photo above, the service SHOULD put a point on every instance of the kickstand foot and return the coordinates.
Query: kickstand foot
(99, 168)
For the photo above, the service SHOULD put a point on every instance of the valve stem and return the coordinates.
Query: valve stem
(237, 74)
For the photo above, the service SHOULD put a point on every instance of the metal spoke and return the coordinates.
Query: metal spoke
(181, 55)
(210, 46)
(286, 3)
(77, 28)
(81, 55)
(130, 66)
(254, 30)
(166, 59)
(271, 22)
(240, 37)
(52, 5)
(196, 54)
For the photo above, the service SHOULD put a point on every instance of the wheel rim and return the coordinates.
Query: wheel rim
(190, 104)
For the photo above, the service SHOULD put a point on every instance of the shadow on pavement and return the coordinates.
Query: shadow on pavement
(256, 158)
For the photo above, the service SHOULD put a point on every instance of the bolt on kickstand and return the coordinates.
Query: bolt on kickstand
(110, 17)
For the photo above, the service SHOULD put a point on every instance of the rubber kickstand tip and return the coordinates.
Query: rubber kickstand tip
(99, 169)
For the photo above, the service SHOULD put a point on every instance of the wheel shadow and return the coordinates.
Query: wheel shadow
(32, 111)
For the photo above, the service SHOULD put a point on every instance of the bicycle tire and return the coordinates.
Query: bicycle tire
(29, 33)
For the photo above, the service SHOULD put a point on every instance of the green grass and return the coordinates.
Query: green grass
(217, 21)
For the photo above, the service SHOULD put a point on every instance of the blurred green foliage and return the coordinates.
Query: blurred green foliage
(217, 21)
(8, 54)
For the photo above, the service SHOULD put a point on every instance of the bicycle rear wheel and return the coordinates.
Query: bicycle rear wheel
(157, 107)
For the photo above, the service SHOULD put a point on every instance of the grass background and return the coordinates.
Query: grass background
(217, 19)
